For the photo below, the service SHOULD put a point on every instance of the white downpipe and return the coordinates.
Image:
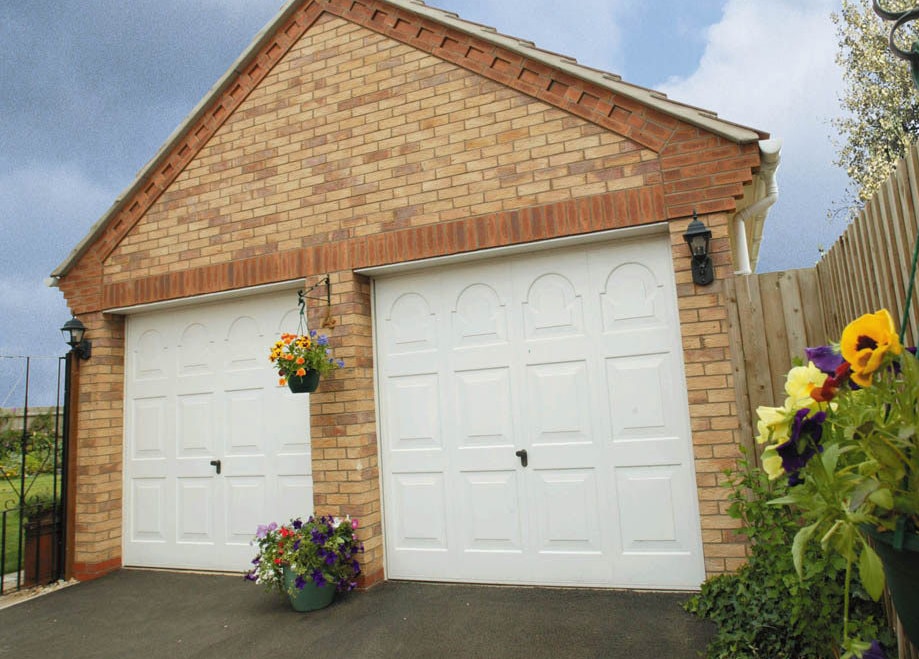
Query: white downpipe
(769, 151)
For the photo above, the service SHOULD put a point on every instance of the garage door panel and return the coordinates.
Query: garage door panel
(294, 495)
(552, 308)
(244, 412)
(195, 425)
(245, 346)
(482, 400)
(148, 515)
(647, 509)
(640, 395)
(633, 300)
(415, 419)
(248, 497)
(196, 351)
(559, 403)
(479, 318)
(195, 509)
(151, 430)
(491, 511)
(411, 325)
(420, 503)
(568, 510)
(150, 361)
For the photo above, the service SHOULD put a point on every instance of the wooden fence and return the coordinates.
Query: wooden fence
(869, 266)
(774, 316)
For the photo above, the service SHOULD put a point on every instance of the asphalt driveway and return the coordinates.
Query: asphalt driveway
(135, 613)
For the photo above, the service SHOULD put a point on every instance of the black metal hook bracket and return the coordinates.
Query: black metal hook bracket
(304, 293)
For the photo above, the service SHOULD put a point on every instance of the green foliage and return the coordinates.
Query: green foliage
(765, 609)
(39, 448)
(880, 102)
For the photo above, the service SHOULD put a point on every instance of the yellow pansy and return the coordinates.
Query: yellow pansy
(774, 424)
(864, 343)
(801, 381)
(772, 462)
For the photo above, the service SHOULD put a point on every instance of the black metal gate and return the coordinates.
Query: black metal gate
(32, 474)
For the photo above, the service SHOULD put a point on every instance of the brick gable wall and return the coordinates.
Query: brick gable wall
(362, 135)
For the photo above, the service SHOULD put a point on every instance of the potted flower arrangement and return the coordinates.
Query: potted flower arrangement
(301, 359)
(310, 561)
(846, 437)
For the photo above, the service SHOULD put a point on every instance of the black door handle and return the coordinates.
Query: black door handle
(216, 463)
(522, 454)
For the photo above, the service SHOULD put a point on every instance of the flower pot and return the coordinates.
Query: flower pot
(310, 597)
(901, 567)
(304, 384)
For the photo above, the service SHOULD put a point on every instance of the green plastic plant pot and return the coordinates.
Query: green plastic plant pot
(901, 567)
(309, 598)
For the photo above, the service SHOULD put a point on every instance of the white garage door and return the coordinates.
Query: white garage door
(199, 391)
(572, 356)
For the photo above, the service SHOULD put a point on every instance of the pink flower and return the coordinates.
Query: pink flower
(353, 523)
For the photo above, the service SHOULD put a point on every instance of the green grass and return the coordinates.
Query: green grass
(9, 499)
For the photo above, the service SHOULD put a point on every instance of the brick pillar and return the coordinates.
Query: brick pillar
(94, 537)
(346, 475)
(710, 389)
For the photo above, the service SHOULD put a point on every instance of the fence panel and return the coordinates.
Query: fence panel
(869, 266)
(774, 317)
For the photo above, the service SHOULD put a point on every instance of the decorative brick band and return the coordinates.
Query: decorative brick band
(614, 210)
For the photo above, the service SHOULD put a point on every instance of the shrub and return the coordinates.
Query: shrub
(764, 609)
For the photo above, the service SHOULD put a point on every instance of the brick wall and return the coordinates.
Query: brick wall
(355, 138)
(713, 408)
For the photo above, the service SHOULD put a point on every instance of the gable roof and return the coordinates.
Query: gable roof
(704, 119)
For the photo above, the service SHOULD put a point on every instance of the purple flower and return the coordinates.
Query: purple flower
(250, 576)
(874, 652)
(341, 363)
(262, 531)
(803, 444)
(330, 559)
(323, 340)
(299, 582)
(298, 524)
(824, 358)
(318, 578)
(296, 545)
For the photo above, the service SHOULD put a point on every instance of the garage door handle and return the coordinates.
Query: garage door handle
(216, 463)
(522, 454)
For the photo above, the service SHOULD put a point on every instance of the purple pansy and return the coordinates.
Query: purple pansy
(824, 358)
(874, 652)
(804, 443)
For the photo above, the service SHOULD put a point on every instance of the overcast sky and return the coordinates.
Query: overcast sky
(92, 88)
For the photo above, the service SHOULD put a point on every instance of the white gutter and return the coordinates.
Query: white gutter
(769, 163)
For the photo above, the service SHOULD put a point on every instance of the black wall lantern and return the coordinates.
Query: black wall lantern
(697, 237)
(73, 331)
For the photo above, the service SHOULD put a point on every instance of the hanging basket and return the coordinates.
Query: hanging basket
(305, 384)
(901, 567)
